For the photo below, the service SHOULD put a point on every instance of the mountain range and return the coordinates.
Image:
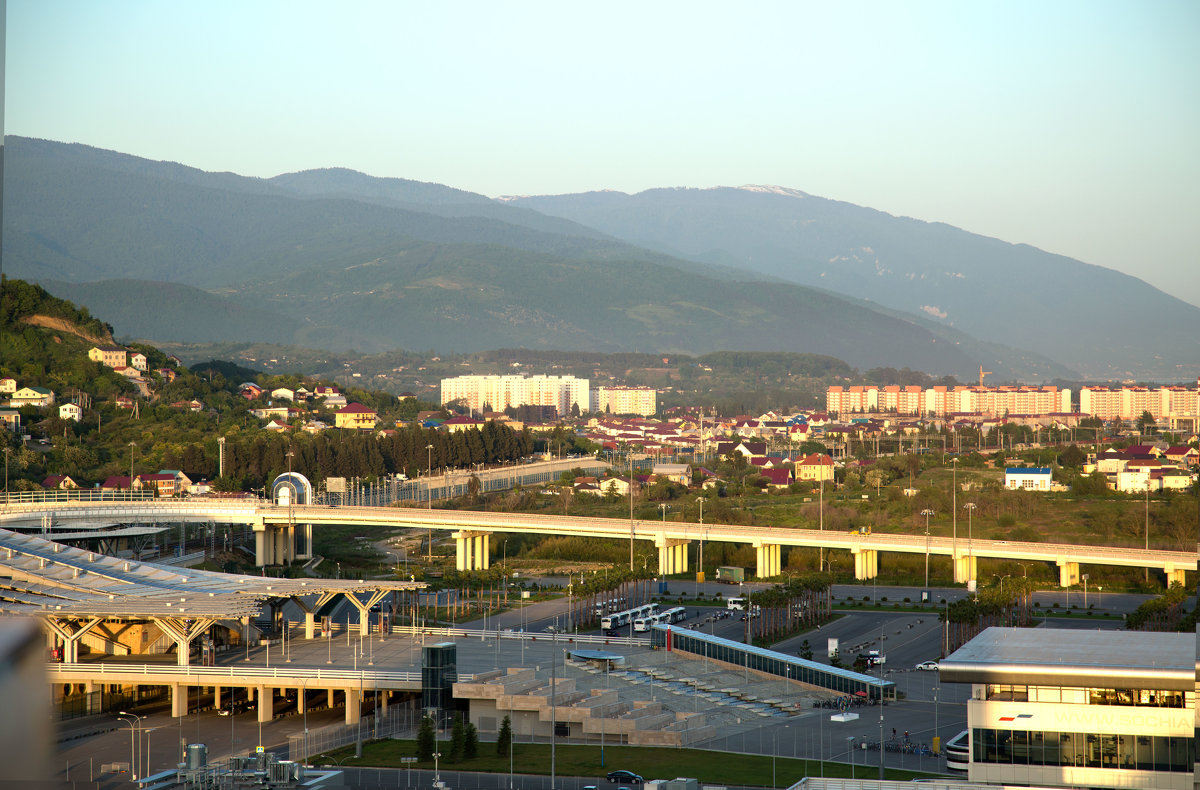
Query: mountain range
(336, 259)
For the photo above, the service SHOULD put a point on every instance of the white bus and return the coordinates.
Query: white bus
(736, 603)
(676, 615)
(614, 620)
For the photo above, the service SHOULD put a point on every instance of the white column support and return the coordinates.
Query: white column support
(471, 550)
(265, 703)
(353, 706)
(768, 559)
(1068, 573)
(866, 563)
(179, 700)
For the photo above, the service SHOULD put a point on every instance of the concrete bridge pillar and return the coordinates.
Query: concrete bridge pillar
(768, 556)
(217, 697)
(179, 700)
(310, 625)
(672, 555)
(265, 703)
(1068, 573)
(301, 700)
(471, 550)
(965, 568)
(482, 552)
(353, 706)
(329, 697)
(260, 547)
(666, 561)
(1175, 574)
(866, 563)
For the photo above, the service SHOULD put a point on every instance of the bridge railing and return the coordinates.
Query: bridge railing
(63, 671)
(532, 636)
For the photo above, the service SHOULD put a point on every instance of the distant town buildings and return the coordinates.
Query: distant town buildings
(642, 401)
(497, 393)
(1165, 404)
(940, 401)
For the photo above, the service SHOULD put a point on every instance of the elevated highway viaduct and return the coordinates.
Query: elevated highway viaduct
(284, 533)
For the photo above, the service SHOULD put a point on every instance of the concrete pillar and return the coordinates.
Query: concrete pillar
(250, 693)
(664, 560)
(217, 697)
(329, 697)
(866, 563)
(461, 550)
(301, 699)
(383, 701)
(353, 706)
(1175, 575)
(260, 547)
(760, 558)
(310, 625)
(768, 555)
(179, 700)
(308, 543)
(1068, 573)
(482, 552)
(681, 558)
(266, 703)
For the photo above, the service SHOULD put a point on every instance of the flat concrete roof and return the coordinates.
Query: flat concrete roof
(1068, 657)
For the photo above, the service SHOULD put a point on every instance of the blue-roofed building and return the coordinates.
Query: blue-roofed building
(1028, 478)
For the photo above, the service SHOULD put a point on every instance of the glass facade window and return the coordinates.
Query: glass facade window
(1083, 750)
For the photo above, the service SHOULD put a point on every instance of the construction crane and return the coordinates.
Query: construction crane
(983, 373)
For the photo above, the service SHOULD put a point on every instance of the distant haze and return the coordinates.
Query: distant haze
(1071, 126)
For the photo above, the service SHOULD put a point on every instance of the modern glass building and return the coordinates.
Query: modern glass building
(1061, 707)
(814, 673)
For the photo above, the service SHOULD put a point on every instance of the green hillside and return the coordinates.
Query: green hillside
(46, 344)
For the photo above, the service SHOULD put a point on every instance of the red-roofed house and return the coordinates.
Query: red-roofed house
(59, 481)
(355, 415)
(815, 467)
(779, 477)
(116, 483)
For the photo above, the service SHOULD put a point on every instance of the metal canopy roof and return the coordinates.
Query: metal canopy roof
(69, 581)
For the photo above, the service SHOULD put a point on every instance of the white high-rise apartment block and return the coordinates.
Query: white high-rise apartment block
(498, 393)
(642, 401)
(1169, 405)
(940, 400)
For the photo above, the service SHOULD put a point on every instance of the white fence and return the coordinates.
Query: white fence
(476, 633)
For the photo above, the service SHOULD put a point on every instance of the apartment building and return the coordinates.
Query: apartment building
(642, 401)
(497, 393)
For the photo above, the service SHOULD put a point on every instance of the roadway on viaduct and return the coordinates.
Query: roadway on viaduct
(472, 530)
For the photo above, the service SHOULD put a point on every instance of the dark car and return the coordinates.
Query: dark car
(624, 776)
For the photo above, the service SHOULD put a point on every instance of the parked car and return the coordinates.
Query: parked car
(929, 666)
(624, 776)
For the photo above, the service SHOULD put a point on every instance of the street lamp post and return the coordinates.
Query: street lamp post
(970, 508)
(926, 513)
(429, 491)
(133, 761)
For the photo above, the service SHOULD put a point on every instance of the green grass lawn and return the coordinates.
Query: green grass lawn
(651, 763)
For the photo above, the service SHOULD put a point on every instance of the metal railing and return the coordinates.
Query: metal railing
(395, 723)
(476, 633)
(59, 672)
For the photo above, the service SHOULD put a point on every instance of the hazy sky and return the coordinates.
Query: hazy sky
(1072, 126)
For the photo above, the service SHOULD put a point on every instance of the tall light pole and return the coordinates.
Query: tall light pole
(133, 762)
(1147, 568)
(926, 513)
(954, 504)
(629, 455)
(970, 508)
(429, 492)
(821, 520)
(7, 453)
(700, 561)
(132, 452)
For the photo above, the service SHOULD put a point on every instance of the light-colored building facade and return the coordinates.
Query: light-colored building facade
(1167, 405)
(939, 401)
(32, 396)
(112, 356)
(355, 416)
(642, 401)
(1083, 709)
(497, 393)
(1028, 478)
